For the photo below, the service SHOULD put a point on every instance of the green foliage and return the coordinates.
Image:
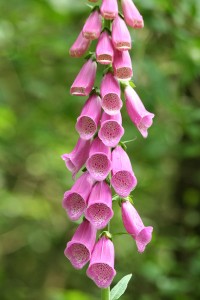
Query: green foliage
(37, 118)
(119, 289)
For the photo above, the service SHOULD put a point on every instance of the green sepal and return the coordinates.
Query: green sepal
(95, 91)
(96, 7)
(90, 55)
(116, 198)
(122, 144)
(132, 84)
(108, 69)
(106, 234)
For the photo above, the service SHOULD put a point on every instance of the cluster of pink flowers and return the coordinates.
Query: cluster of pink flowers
(99, 152)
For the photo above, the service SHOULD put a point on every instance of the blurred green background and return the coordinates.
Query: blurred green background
(37, 118)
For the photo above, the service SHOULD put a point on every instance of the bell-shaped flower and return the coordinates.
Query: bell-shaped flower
(122, 65)
(99, 161)
(104, 49)
(111, 129)
(84, 81)
(89, 118)
(101, 268)
(134, 226)
(75, 200)
(132, 16)
(76, 159)
(80, 46)
(110, 94)
(120, 35)
(92, 28)
(137, 112)
(123, 178)
(79, 249)
(99, 210)
(109, 9)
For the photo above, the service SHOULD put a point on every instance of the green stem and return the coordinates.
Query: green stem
(105, 294)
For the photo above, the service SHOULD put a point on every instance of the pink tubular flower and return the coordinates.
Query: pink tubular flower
(104, 49)
(87, 122)
(111, 129)
(92, 28)
(99, 210)
(135, 227)
(99, 163)
(75, 200)
(123, 179)
(80, 46)
(120, 35)
(84, 81)
(137, 112)
(79, 249)
(109, 9)
(76, 159)
(122, 65)
(101, 268)
(110, 93)
(131, 14)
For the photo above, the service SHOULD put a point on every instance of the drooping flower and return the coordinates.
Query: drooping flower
(80, 46)
(99, 210)
(99, 161)
(135, 227)
(89, 118)
(131, 14)
(110, 93)
(101, 268)
(76, 159)
(123, 179)
(137, 112)
(79, 249)
(84, 81)
(122, 65)
(104, 49)
(109, 9)
(120, 35)
(92, 28)
(75, 200)
(111, 129)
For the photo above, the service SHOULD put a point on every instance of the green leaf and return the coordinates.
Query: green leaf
(120, 287)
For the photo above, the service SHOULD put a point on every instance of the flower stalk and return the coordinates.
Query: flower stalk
(99, 152)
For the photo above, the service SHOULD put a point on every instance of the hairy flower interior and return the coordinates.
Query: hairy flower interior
(75, 205)
(86, 127)
(78, 254)
(123, 183)
(111, 103)
(99, 215)
(102, 274)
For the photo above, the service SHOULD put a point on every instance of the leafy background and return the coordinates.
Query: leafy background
(37, 118)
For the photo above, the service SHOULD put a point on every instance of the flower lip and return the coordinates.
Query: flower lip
(99, 166)
(86, 127)
(104, 59)
(77, 253)
(111, 132)
(111, 103)
(123, 182)
(74, 204)
(102, 274)
(99, 214)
